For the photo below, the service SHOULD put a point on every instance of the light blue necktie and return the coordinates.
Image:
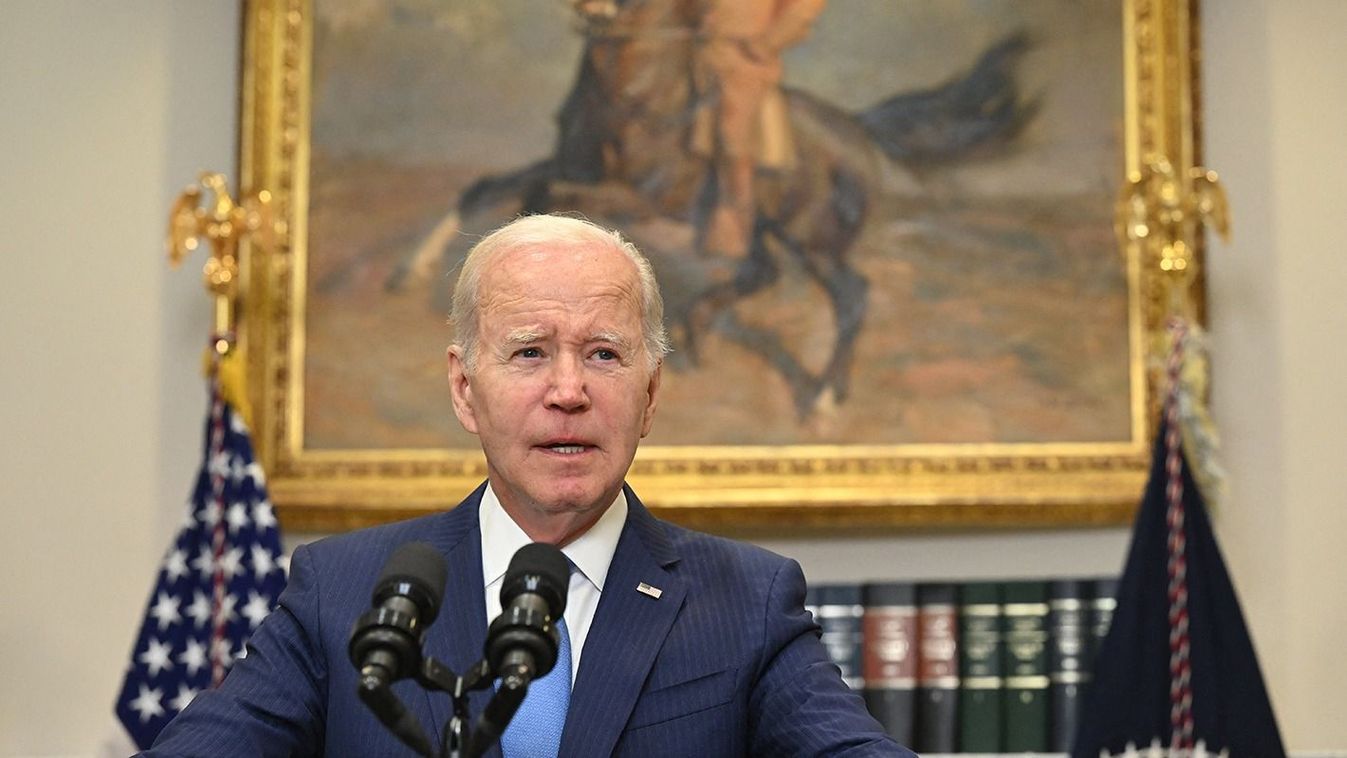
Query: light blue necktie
(535, 730)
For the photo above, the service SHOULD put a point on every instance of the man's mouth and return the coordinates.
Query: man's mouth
(566, 448)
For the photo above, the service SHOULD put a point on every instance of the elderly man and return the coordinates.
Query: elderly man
(678, 643)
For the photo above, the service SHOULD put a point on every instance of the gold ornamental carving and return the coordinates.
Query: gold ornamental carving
(1162, 210)
(223, 223)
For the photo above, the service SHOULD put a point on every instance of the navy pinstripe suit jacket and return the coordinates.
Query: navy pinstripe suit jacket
(726, 662)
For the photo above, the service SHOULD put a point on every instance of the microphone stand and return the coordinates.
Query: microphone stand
(458, 740)
(437, 677)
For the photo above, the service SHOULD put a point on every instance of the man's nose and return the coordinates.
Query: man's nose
(566, 390)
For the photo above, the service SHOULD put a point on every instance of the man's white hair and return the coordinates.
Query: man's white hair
(551, 231)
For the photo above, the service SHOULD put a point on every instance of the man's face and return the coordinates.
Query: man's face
(562, 392)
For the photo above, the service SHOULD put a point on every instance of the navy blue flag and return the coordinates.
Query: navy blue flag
(1177, 670)
(218, 581)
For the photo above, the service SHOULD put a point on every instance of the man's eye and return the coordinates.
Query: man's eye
(604, 354)
(529, 352)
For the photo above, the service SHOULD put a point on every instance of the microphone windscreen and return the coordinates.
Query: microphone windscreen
(541, 568)
(418, 571)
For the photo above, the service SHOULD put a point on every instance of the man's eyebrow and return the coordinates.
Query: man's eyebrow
(613, 338)
(523, 336)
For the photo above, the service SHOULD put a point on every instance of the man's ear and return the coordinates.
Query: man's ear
(651, 400)
(460, 389)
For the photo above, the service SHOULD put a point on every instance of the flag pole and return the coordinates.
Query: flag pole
(224, 223)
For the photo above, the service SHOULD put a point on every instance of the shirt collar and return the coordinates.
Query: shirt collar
(590, 553)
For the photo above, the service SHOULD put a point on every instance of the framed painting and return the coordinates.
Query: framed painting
(924, 316)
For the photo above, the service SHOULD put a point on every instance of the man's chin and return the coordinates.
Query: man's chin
(574, 503)
(558, 518)
(574, 497)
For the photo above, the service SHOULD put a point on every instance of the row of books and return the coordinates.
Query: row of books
(971, 667)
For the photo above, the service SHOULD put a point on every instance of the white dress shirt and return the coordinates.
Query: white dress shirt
(591, 553)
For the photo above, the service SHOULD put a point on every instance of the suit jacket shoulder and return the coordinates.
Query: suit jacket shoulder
(701, 646)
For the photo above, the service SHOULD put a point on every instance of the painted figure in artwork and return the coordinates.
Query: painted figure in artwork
(742, 124)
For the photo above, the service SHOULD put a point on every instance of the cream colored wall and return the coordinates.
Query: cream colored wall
(1277, 113)
(107, 110)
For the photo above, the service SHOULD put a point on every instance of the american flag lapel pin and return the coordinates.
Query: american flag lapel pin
(646, 589)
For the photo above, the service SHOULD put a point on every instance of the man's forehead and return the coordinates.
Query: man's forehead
(550, 249)
(522, 279)
(595, 258)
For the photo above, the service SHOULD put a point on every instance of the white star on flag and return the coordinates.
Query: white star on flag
(231, 563)
(165, 610)
(147, 703)
(185, 696)
(237, 517)
(263, 563)
(199, 610)
(175, 565)
(256, 609)
(263, 515)
(156, 657)
(205, 561)
(210, 515)
(255, 471)
(194, 656)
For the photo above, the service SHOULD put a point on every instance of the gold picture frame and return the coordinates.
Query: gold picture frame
(714, 486)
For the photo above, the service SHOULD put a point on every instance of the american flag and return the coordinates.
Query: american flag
(220, 578)
(1176, 676)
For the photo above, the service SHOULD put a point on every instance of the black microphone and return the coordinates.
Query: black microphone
(386, 641)
(522, 642)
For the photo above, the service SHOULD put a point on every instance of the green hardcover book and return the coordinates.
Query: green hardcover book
(981, 684)
(1026, 666)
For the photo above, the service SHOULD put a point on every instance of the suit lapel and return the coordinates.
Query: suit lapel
(458, 636)
(628, 630)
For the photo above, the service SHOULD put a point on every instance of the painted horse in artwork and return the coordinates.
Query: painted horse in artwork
(622, 154)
